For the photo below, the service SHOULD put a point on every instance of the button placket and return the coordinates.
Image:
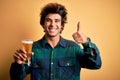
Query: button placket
(52, 67)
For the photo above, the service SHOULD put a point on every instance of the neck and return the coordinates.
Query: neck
(52, 40)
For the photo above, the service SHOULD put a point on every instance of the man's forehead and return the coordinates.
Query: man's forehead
(53, 16)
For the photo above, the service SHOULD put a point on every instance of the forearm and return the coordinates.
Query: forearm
(91, 56)
(17, 71)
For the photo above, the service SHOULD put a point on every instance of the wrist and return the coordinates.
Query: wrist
(87, 40)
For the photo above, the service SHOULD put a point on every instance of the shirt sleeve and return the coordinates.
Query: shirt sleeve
(88, 60)
(18, 71)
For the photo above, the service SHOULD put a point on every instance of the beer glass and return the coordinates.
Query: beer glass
(27, 46)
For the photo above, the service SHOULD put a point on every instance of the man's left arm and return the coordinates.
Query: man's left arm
(91, 56)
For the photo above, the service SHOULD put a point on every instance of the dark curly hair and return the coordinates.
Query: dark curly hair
(54, 8)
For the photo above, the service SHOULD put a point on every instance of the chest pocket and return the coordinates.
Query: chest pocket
(66, 68)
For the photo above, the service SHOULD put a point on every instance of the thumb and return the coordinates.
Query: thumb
(78, 27)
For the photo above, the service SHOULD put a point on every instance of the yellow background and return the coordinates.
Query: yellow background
(100, 20)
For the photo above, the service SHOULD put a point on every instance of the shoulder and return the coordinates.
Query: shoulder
(73, 46)
(70, 43)
(37, 43)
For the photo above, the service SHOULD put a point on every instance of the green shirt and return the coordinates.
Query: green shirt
(63, 62)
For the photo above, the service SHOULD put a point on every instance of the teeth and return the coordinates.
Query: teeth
(52, 29)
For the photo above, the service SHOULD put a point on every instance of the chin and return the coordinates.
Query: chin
(53, 35)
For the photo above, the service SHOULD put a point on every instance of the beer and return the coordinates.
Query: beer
(27, 46)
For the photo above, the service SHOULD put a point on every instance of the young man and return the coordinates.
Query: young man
(56, 58)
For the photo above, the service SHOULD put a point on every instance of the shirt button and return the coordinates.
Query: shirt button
(51, 75)
(51, 62)
(90, 46)
(68, 64)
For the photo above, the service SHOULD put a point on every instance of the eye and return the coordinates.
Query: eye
(48, 20)
(57, 20)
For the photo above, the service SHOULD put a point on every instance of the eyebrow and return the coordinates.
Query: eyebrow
(51, 19)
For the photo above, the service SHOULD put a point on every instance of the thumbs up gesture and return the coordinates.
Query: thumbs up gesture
(78, 36)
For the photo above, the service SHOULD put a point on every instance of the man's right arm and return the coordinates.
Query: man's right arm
(17, 71)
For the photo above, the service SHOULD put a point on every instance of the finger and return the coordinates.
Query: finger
(16, 57)
(21, 56)
(23, 53)
(22, 50)
(24, 56)
(78, 27)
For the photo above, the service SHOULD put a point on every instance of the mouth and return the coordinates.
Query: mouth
(51, 29)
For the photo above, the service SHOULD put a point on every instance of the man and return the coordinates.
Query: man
(56, 58)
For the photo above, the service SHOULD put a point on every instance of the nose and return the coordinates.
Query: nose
(53, 23)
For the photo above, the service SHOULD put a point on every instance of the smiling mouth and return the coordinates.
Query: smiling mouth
(52, 29)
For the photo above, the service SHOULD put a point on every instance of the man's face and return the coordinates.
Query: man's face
(52, 25)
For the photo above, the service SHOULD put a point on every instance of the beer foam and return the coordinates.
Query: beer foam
(27, 41)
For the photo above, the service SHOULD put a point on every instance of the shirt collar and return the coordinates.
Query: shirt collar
(61, 42)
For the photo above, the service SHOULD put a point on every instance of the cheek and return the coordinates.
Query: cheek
(59, 25)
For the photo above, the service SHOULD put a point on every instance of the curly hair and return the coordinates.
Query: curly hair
(54, 8)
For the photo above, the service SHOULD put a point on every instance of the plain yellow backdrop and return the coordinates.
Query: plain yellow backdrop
(100, 20)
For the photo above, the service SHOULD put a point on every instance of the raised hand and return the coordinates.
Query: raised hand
(78, 36)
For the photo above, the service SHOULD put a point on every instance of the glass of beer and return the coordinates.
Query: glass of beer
(27, 46)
